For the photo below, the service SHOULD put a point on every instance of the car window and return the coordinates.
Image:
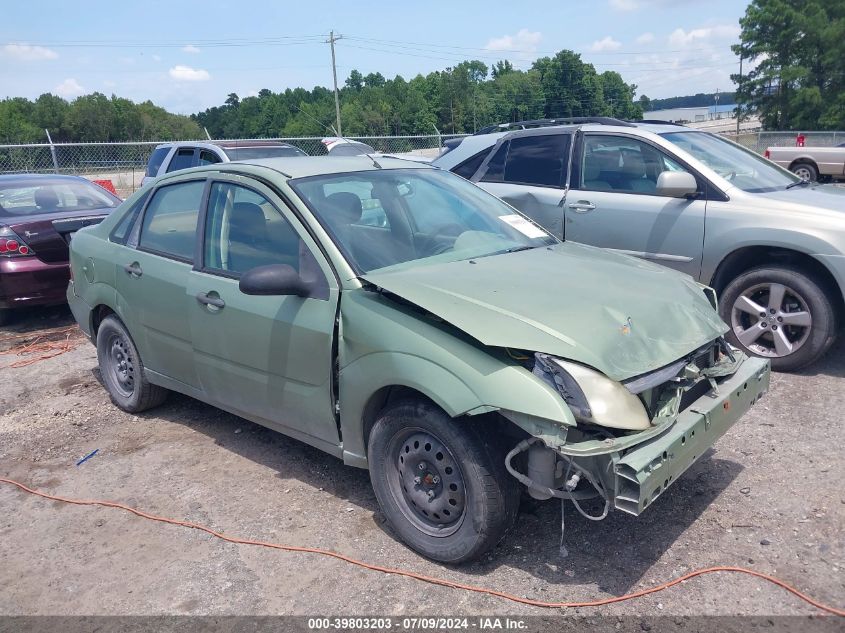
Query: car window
(538, 160)
(121, 231)
(495, 171)
(170, 221)
(622, 164)
(451, 219)
(207, 157)
(244, 230)
(156, 159)
(372, 211)
(47, 195)
(183, 159)
(467, 168)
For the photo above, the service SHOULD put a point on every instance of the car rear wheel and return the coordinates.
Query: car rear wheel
(778, 313)
(441, 483)
(806, 171)
(122, 370)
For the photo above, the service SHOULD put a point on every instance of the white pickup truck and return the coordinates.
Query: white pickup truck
(810, 163)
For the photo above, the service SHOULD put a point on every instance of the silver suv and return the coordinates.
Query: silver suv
(169, 157)
(771, 244)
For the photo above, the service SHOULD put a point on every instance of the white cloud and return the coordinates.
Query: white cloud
(645, 38)
(605, 44)
(680, 37)
(69, 88)
(523, 41)
(186, 73)
(190, 48)
(624, 5)
(26, 52)
(156, 58)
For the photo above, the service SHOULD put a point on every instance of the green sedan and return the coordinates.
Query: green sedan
(404, 320)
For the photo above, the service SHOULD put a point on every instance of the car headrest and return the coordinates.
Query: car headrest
(344, 208)
(46, 198)
(633, 165)
(247, 221)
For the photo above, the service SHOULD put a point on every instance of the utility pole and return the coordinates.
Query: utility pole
(739, 87)
(332, 39)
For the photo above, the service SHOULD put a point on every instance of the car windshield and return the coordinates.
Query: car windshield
(740, 166)
(264, 151)
(34, 197)
(400, 218)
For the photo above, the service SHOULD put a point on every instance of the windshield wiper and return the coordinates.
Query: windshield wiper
(798, 184)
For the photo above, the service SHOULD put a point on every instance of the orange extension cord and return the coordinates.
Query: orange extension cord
(43, 347)
(437, 581)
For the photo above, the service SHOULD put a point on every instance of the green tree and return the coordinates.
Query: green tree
(799, 78)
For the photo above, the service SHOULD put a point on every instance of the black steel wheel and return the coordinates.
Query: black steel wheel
(440, 482)
(122, 370)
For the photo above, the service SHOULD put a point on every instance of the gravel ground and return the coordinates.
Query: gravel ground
(769, 496)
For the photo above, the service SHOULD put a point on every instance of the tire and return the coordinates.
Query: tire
(807, 171)
(122, 370)
(474, 499)
(803, 304)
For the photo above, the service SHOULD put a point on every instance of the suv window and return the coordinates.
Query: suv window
(156, 159)
(207, 157)
(183, 159)
(244, 230)
(538, 160)
(170, 221)
(622, 164)
(495, 171)
(467, 168)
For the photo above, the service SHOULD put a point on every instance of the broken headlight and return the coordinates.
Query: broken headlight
(592, 396)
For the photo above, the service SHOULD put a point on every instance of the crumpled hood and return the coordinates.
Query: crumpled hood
(614, 313)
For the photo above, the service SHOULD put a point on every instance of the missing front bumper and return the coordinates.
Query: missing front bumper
(648, 469)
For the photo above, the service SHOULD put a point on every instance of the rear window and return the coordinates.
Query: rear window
(156, 159)
(538, 160)
(52, 196)
(184, 158)
(271, 151)
(467, 168)
(170, 221)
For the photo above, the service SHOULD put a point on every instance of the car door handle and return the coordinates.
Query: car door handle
(582, 206)
(133, 270)
(205, 299)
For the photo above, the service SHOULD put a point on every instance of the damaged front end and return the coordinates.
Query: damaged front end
(632, 439)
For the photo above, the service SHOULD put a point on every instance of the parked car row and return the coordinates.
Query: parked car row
(464, 343)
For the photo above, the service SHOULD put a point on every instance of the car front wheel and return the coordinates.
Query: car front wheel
(122, 371)
(783, 314)
(441, 483)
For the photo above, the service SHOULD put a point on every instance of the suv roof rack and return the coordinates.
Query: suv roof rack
(661, 122)
(533, 123)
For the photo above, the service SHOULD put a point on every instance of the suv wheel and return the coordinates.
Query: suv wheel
(122, 371)
(778, 313)
(441, 483)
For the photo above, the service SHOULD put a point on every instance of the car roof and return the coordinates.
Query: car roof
(304, 166)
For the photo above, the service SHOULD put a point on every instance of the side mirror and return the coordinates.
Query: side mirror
(275, 279)
(677, 184)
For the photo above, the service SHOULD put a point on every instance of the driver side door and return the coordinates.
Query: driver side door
(614, 203)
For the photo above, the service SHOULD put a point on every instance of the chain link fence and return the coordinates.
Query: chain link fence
(124, 164)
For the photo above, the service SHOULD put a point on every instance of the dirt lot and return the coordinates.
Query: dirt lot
(770, 497)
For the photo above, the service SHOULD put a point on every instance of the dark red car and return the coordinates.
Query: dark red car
(38, 216)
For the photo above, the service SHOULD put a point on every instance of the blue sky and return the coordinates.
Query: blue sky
(187, 55)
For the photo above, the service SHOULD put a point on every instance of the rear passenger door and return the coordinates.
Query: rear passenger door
(530, 173)
(152, 275)
(613, 203)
